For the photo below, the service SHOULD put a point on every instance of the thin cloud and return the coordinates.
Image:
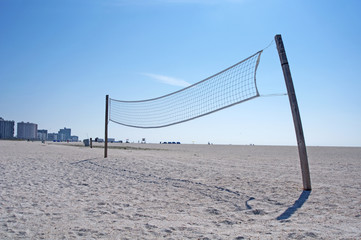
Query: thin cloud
(168, 80)
(196, 2)
(201, 1)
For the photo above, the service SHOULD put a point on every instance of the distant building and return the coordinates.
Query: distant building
(43, 135)
(74, 138)
(27, 131)
(64, 134)
(52, 136)
(6, 129)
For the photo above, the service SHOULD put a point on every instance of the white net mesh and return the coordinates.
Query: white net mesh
(231, 86)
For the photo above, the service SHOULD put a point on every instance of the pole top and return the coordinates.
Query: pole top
(281, 49)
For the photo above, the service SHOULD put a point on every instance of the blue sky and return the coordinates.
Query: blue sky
(59, 58)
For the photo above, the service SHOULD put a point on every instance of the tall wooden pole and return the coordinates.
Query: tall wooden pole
(106, 127)
(295, 113)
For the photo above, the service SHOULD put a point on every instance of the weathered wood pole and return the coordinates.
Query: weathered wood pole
(295, 113)
(106, 127)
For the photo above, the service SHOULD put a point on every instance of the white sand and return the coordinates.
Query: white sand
(52, 191)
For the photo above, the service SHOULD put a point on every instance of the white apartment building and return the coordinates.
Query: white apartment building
(27, 131)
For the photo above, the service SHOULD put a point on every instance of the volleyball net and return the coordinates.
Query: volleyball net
(229, 87)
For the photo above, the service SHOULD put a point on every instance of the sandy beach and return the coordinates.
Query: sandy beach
(154, 191)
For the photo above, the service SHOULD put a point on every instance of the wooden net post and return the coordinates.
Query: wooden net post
(295, 113)
(106, 127)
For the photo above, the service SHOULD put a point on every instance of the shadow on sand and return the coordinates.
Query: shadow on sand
(298, 204)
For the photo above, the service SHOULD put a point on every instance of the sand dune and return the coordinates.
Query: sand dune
(58, 191)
